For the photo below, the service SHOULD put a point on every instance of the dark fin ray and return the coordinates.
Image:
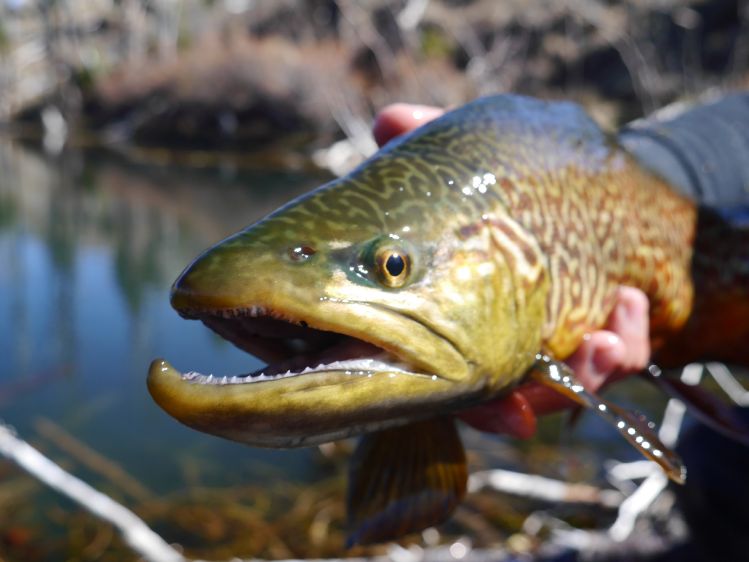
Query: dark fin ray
(405, 479)
(634, 428)
(575, 415)
(705, 406)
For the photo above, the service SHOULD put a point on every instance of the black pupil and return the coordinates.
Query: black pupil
(395, 265)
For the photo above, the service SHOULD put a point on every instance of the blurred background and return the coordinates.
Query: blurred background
(135, 133)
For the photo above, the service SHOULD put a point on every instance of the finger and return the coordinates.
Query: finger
(595, 359)
(510, 415)
(601, 353)
(604, 354)
(399, 118)
(630, 321)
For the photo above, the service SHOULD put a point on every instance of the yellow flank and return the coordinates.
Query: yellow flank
(435, 272)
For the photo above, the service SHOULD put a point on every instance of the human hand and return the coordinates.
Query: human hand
(621, 348)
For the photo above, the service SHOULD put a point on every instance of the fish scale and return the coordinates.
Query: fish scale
(518, 220)
(538, 185)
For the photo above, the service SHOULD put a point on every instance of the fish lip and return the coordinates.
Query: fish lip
(252, 311)
(397, 363)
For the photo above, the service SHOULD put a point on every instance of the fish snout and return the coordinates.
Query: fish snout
(228, 276)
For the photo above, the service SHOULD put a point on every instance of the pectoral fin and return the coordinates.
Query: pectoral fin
(405, 479)
(635, 429)
(704, 405)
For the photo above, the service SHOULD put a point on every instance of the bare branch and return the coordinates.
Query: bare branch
(134, 531)
(541, 488)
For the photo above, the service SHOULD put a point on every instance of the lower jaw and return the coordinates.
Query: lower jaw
(363, 366)
(305, 409)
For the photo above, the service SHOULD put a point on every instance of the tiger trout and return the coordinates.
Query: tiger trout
(464, 257)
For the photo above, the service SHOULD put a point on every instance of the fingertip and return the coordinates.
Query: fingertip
(389, 123)
(601, 353)
(632, 306)
(509, 415)
(399, 118)
(633, 295)
(609, 352)
(630, 319)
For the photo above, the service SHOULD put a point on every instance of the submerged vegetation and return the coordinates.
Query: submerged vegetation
(276, 520)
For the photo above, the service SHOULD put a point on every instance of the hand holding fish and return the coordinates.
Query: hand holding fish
(491, 253)
(621, 348)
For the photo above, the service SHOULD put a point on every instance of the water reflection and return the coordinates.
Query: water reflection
(89, 245)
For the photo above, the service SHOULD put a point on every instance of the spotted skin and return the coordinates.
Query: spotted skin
(521, 218)
(542, 176)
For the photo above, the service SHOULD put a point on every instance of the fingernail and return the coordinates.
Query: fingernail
(630, 307)
(612, 339)
(606, 357)
(425, 113)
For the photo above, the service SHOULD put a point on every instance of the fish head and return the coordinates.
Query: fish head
(371, 310)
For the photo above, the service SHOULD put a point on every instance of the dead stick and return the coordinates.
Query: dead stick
(92, 459)
(134, 531)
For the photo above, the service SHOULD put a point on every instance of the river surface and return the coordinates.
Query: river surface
(90, 243)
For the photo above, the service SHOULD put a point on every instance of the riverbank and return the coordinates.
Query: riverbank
(295, 76)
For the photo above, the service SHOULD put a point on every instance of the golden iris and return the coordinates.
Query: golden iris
(393, 266)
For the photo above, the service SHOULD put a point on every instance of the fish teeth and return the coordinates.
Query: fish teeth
(256, 310)
(362, 366)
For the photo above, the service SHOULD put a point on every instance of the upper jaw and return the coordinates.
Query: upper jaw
(282, 323)
(371, 375)
(370, 390)
(291, 348)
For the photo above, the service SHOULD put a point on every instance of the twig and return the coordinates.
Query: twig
(730, 385)
(546, 489)
(656, 482)
(636, 504)
(92, 459)
(410, 16)
(151, 547)
(134, 531)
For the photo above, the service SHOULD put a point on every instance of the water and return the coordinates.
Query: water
(89, 246)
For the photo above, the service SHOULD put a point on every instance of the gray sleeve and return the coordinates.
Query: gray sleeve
(703, 152)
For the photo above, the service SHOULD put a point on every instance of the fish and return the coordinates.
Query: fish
(463, 258)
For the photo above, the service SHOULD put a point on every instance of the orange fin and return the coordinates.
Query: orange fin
(405, 479)
(634, 428)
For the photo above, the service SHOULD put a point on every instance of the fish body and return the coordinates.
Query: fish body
(432, 277)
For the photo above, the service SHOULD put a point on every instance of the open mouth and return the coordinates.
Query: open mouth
(290, 348)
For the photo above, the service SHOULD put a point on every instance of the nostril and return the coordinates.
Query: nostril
(301, 253)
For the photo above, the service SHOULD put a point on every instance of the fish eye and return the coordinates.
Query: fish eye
(393, 266)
